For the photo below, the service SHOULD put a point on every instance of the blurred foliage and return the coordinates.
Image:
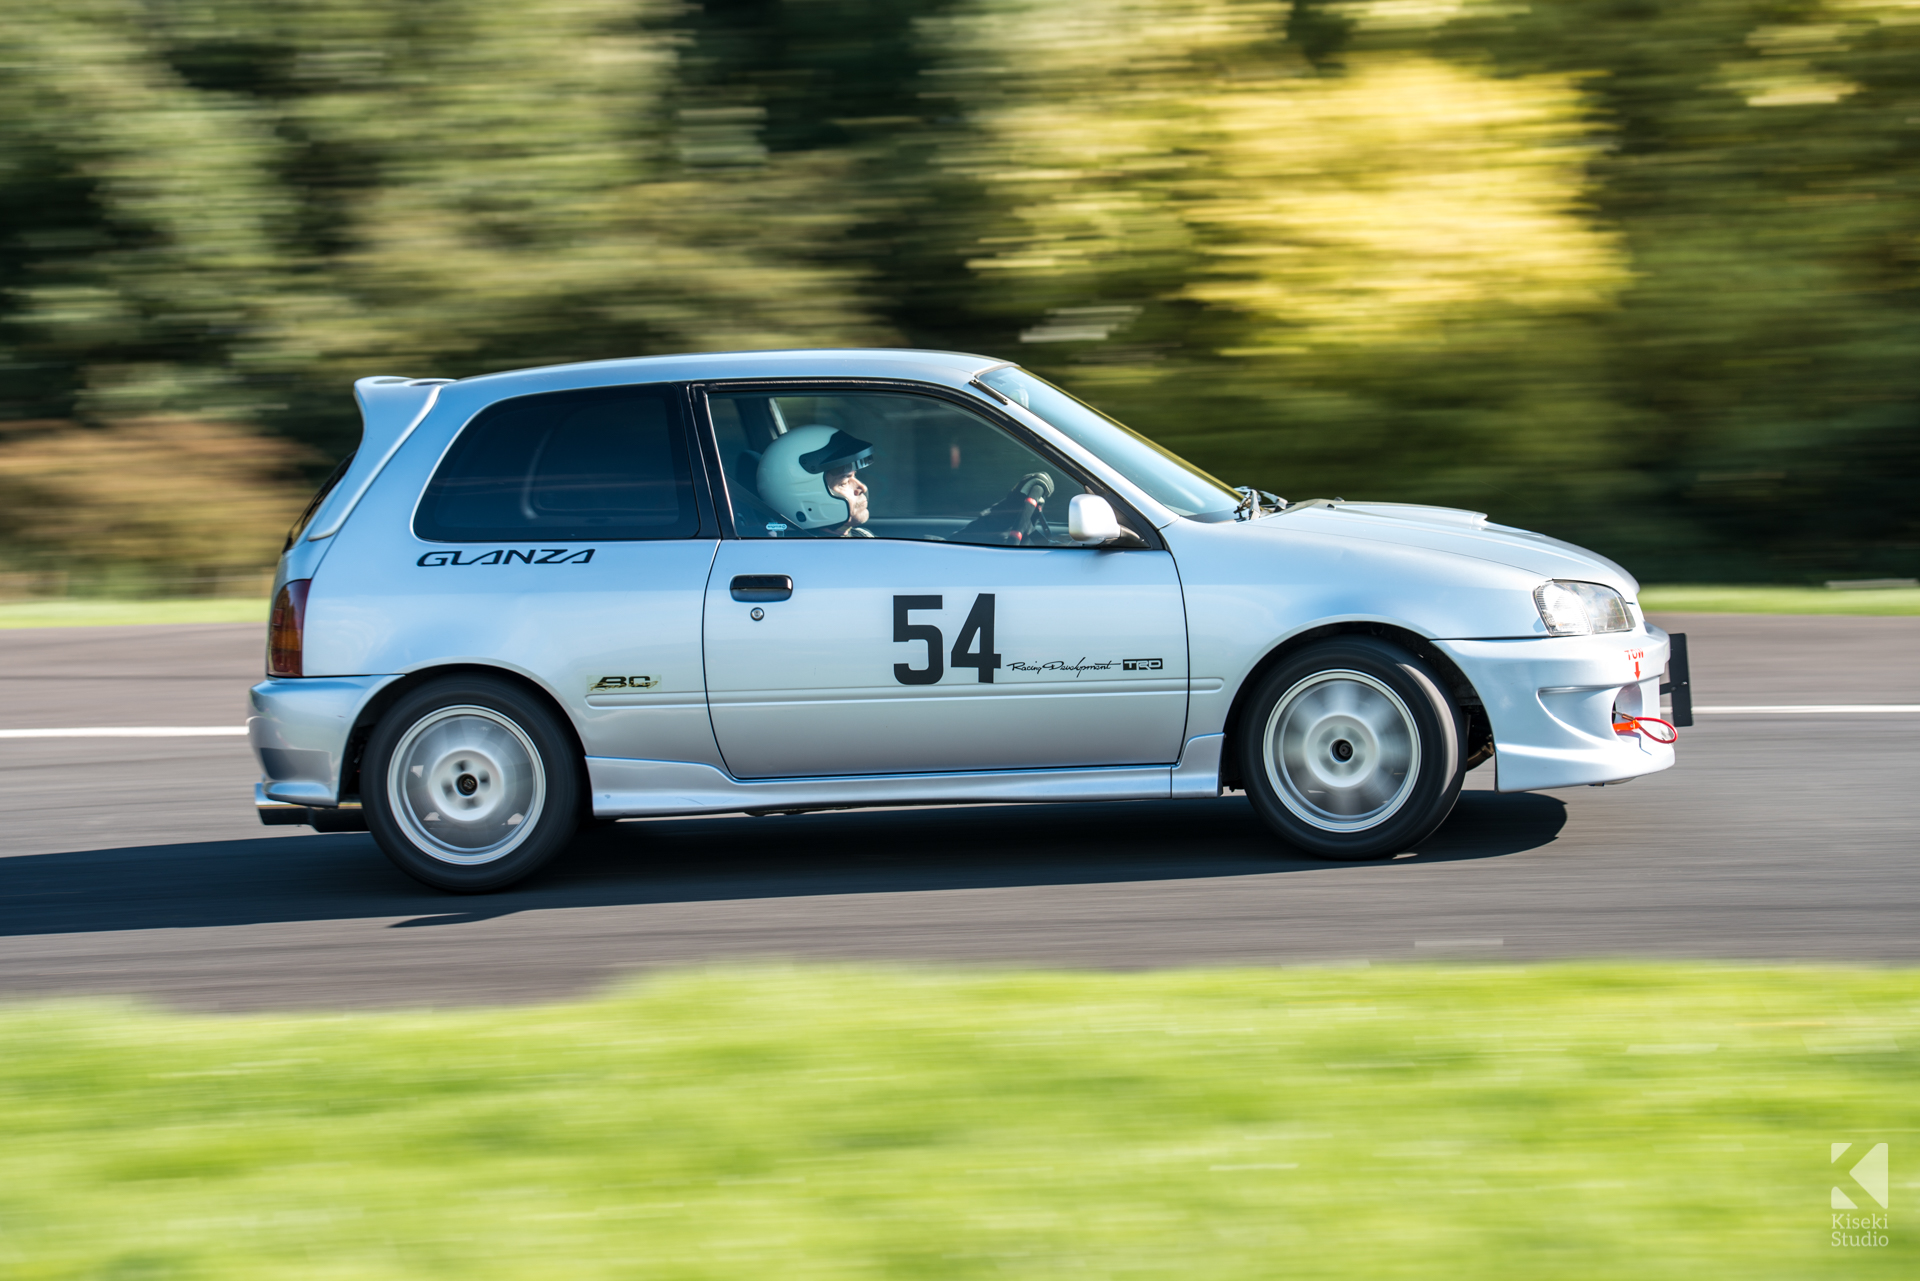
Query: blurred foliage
(1640, 274)
(155, 498)
(1681, 598)
(1661, 1121)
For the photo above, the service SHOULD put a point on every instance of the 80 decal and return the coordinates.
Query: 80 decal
(974, 647)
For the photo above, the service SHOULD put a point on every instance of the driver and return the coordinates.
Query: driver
(811, 477)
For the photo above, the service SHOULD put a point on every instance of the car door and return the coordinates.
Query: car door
(568, 536)
(954, 628)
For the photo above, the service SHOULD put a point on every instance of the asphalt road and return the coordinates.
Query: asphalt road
(136, 866)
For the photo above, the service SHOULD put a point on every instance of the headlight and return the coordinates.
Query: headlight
(1581, 609)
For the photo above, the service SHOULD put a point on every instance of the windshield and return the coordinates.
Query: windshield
(1172, 481)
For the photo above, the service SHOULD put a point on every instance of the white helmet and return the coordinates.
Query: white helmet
(793, 474)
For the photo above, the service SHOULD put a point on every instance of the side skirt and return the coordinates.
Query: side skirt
(632, 789)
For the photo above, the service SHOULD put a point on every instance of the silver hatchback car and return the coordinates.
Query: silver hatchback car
(780, 581)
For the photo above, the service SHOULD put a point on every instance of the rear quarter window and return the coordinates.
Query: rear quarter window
(307, 513)
(606, 464)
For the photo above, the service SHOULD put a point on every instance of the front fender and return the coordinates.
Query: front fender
(1249, 594)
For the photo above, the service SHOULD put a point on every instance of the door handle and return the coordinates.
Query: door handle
(761, 587)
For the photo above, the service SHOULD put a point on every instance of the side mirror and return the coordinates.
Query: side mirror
(1090, 519)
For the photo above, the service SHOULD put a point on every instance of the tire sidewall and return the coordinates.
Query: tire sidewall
(1436, 719)
(559, 760)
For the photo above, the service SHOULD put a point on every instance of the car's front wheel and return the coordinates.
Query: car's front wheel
(469, 783)
(1351, 749)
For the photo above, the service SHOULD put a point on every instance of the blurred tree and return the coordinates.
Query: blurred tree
(485, 187)
(1377, 277)
(1764, 170)
(139, 233)
(1641, 274)
(227, 210)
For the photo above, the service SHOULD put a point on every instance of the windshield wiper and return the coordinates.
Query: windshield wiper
(1255, 503)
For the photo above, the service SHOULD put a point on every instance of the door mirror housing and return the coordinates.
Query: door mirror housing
(1090, 519)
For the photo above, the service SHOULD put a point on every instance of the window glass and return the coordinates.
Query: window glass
(1173, 481)
(306, 516)
(881, 465)
(607, 464)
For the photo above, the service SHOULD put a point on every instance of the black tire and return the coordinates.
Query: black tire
(1380, 706)
(470, 783)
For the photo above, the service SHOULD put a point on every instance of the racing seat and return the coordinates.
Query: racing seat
(751, 514)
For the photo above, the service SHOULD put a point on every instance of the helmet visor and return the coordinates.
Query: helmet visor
(841, 451)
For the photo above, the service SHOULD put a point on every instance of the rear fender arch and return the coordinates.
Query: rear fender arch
(376, 707)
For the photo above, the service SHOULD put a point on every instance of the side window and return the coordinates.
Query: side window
(327, 486)
(608, 464)
(884, 465)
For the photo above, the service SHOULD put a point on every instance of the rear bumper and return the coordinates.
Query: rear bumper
(300, 730)
(1551, 702)
(344, 817)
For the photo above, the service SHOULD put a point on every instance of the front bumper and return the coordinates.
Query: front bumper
(1551, 701)
(300, 730)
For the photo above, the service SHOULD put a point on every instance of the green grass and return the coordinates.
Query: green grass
(1778, 600)
(1565, 1121)
(117, 613)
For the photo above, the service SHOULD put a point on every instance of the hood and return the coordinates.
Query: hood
(1461, 533)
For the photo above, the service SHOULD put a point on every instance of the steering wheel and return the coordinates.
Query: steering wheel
(1015, 518)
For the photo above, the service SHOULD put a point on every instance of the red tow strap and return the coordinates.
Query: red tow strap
(1666, 733)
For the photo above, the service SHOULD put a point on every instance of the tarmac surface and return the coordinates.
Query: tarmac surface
(136, 866)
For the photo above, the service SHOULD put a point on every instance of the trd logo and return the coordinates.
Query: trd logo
(1140, 664)
(606, 683)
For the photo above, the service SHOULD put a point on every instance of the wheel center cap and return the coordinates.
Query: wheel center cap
(467, 784)
(1342, 750)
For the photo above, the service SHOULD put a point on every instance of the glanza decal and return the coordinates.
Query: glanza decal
(509, 556)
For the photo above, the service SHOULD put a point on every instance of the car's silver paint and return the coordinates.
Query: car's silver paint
(1251, 588)
(631, 789)
(636, 609)
(809, 688)
(626, 788)
(390, 408)
(1540, 556)
(1551, 703)
(273, 812)
(1198, 774)
(299, 729)
(632, 610)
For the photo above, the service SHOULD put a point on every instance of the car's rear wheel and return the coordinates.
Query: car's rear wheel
(469, 783)
(1351, 749)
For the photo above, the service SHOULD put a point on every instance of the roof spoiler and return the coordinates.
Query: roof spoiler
(390, 408)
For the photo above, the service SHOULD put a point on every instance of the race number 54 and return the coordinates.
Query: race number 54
(977, 631)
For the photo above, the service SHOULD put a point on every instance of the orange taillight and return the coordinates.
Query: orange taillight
(286, 629)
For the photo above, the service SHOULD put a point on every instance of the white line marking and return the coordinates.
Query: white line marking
(1844, 709)
(130, 731)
